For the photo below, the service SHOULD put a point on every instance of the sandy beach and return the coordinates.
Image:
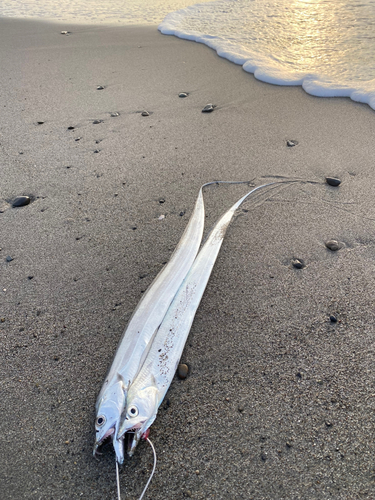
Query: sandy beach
(280, 398)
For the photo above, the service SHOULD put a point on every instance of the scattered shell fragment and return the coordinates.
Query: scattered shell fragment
(297, 263)
(333, 245)
(21, 201)
(208, 108)
(161, 217)
(182, 371)
(291, 143)
(183, 94)
(333, 181)
(145, 113)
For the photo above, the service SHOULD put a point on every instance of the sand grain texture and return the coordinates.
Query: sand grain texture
(279, 402)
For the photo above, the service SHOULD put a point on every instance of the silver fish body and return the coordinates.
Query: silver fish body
(152, 382)
(137, 337)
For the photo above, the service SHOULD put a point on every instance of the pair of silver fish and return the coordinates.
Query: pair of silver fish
(151, 346)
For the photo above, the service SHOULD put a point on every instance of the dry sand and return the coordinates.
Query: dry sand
(279, 402)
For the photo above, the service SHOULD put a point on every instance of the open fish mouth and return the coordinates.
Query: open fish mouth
(104, 440)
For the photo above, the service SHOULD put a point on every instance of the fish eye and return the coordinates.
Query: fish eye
(133, 411)
(100, 420)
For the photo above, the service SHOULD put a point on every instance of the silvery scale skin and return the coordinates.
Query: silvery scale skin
(148, 389)
(141, 329)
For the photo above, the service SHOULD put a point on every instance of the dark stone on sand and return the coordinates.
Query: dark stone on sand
(21, 201)
(182, 213)
(333, 319)
(182, 371)
(30, 277)
(333, 245)
(332, 181)
(40, 122)
(161, 200)
(114, 114)
(78, 139)
(97, 151)
(183, 94)
(9, 258)
(263, 456)
(145, 113)
(208, 108)
(100, 87)
(71, 127)
(291, 143)
(298, 263)
(95, 122)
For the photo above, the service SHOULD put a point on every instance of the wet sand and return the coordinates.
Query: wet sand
(279, 402)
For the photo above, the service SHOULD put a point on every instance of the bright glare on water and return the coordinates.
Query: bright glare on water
(328, 46)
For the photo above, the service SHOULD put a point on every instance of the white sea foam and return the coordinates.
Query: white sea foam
(327, 46)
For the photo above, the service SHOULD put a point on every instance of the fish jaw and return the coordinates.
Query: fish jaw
(108, 410)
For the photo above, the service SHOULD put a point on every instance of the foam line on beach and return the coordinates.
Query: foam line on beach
(244, 48)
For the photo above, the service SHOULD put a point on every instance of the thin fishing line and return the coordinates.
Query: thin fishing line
(153, 470)
(118, 481)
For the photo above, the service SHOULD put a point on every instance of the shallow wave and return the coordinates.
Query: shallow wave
(326, 46)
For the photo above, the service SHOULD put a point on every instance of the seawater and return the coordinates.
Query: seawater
(327, 46)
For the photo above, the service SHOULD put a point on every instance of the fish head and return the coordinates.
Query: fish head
(141, 409)
(109, 408)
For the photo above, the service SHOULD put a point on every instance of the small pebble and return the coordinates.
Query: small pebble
(332, 181)
(9, 258)
(40, 123)
(78, 139)
(208, 108)
(333, 245)
(183, 94)
(115, 114)
(64, 32)
(71, 127)
(197, 472)
(97, 151)
(100, 87)
(263, 456)
(291, 143)
(30, 277)
(297, 263)
(145, 113)
(21, 201)
(161, 200)
(2, 320)
(328, 424)
(333, 319)
(95, 122)
(161, 217)
(182, 371)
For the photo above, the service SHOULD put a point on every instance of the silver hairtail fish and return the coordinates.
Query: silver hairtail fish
(141, 329)
(148, 389)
